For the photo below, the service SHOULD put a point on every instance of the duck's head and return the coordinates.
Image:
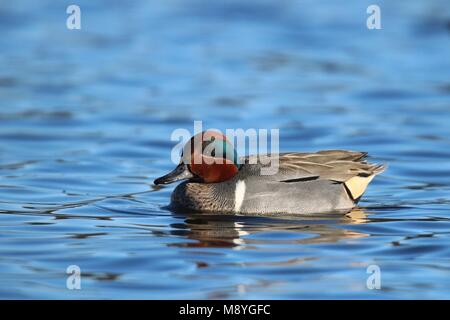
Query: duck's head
(207, 157)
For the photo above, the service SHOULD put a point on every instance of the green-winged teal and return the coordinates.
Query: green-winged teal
(304, 183)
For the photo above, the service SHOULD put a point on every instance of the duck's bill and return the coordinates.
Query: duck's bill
(181, 172)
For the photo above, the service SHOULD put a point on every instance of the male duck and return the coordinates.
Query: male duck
(305, 183)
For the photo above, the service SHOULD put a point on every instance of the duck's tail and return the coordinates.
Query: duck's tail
(357, 185)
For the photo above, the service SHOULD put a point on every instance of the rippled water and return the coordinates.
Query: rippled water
(85, 124)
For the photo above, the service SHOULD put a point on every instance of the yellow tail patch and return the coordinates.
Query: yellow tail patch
(357, 185)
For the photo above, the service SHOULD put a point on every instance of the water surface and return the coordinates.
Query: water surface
(85, 124)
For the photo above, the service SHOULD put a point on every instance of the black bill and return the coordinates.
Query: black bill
(181, 172)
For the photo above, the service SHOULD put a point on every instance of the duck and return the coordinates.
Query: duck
(305, 183)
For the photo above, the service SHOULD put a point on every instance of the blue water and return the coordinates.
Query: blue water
(85, 123)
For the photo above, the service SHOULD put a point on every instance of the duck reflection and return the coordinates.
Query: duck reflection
(222, 231)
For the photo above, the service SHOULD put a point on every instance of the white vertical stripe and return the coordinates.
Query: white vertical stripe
(239, 194)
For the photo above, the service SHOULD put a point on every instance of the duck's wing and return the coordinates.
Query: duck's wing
(348, 167)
